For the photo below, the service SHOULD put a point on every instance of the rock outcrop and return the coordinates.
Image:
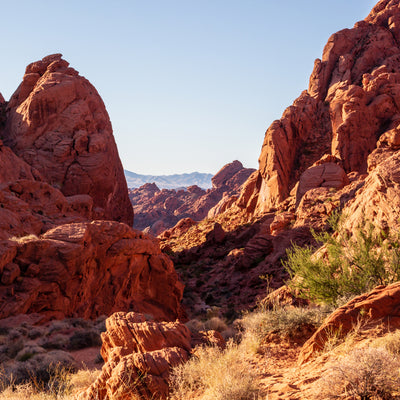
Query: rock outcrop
(66, 249)
(381, 306)
(57, 123)
(138, 355)
(87, 270)
(157, 210)
(336, 148)
(351, 104)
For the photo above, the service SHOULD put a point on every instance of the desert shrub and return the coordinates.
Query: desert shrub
(284, 321)
(84, 338)
(56, 342)
(215, 324)
(214, 374)
(346, 266)
(391, 342)
(64, 385)
(369, 373)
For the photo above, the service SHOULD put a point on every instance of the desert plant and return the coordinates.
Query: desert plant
(368, 373)
(391, 342)
(286, 322)
(346, 265)
(214, 374)
(84, 338)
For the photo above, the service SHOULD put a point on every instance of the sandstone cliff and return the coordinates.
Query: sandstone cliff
(57, 123)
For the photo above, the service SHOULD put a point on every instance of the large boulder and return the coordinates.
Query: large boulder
(139, 355)
(57, 123)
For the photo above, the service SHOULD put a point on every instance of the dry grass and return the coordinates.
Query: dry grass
(390, 342)
(286, 322)
(367, 373)
(63, 386)
(214, 374)
(24, 239)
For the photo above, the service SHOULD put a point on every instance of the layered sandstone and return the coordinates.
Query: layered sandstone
(336, 148)
(157, 210)
(381, 306)
(87, 269)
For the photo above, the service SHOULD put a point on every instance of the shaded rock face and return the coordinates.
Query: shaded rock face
(157, 210)
(57, 123)
(87, 270)
(139, 355)
(352, 100)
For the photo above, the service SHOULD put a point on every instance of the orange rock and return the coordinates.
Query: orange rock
(351, 105)
(57, 123)
(381, 305)
(88, 270)
(139, 355)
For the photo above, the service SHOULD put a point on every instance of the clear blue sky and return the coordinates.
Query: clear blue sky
(190, 85)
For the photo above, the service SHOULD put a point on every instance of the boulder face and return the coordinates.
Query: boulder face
(157, 210)
(381, 306)
(57, 123)
(139, 355)
(352, 101)
(87, 269)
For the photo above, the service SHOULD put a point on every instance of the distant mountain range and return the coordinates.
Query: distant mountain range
(169, 181)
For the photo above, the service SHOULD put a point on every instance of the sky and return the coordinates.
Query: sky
(190, 85)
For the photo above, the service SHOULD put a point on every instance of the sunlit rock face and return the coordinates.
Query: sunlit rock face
(351, 103)
(57, 123)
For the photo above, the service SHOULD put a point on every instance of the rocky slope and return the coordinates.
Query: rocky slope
(157, 210)
(66, 245)
(336, 148)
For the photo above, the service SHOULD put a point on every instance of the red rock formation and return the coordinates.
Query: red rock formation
(87, 270)
(53, 259)
(57, 123)
(352, 100)
(139, 355)
(157, 210)
(336, 148)
(380, 306)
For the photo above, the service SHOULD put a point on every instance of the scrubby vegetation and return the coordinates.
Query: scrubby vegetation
(346, 265)
(36, 362)
(368, 373)
(214, 374)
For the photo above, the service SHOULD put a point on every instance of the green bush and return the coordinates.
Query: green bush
(346, 265)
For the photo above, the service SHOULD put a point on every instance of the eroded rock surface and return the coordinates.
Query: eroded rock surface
(139, 355)
(57, 123)
(87, 269)
(60, 170)
(380, 306)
